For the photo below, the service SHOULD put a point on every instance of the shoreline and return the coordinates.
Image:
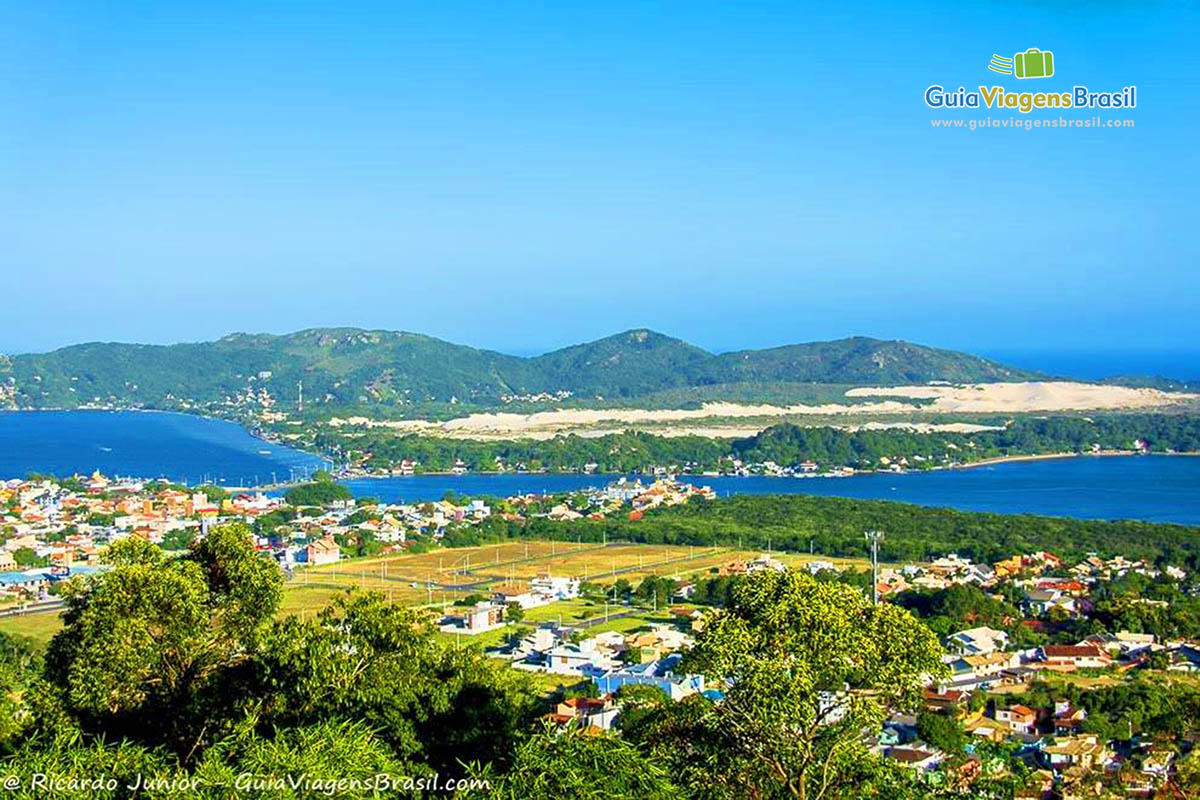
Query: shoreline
(269, 437)
(952, 467)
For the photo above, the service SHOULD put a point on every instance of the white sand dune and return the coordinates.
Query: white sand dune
(1026, 397)
(717, 419)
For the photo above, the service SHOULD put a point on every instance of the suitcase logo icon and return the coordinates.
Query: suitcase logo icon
(1033, 63)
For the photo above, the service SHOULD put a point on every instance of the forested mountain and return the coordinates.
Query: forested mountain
(345, 369)
(863, 360)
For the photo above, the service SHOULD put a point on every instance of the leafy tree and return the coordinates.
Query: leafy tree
(572, 765)
(942, 731)
(364, 659)
(514, 612)
(318, 493)
(177, 539)
(1187, 774)
(351, 753)
(149, 647)
(28, 557)
(806, 667)
(19, 668)
(214, 493)
(655, 590)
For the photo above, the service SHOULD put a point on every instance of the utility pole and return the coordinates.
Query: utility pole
(873, 537)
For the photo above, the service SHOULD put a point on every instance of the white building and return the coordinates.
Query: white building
(978, 641)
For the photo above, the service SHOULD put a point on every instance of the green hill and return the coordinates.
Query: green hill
(347, 369)
(862, 360)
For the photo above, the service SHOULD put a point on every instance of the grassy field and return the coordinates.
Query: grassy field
(444, 566)
(460, 572)
(39, 627)
(471, 570)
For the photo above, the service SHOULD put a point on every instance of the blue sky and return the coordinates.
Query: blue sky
(526, 177)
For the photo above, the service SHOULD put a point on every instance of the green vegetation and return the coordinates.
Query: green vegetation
(179, 669)
(1145, 705)
(834, 526)
(809, 667)
(344, 369)
(185, 666)
(318, 493)
(784, 444)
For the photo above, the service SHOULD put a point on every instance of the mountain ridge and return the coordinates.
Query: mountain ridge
(345, 368)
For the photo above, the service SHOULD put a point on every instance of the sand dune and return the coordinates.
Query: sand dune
(1025, 397)
(734, 420)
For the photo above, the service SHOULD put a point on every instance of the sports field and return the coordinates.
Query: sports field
(469, 570)
(440, 577)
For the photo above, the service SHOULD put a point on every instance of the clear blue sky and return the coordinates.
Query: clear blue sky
(737, 174)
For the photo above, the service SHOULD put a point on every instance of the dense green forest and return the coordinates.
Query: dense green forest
(785, 445)
(347, 369)
(834, 526)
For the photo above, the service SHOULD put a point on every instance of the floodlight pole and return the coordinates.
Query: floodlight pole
(873, 537)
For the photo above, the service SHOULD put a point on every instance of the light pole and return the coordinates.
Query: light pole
(873, 537)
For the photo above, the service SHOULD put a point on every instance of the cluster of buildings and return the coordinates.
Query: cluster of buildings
(51, 528)
(1064, 759)
(609, 659)
(624, 496)
(983, 663)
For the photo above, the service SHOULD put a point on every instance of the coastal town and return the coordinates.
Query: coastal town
(1045, 627)
(530, 401)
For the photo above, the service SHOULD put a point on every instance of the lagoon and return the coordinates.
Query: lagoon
(144, 444)
(193, 449)
(1150, 488)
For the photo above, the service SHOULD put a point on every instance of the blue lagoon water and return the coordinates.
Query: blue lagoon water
(143, 444)
(1151, 488)
(192, 449)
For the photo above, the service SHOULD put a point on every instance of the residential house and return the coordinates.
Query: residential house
(1019, 718)
(980, 670)
(1086, 752)
(322, 551)
(1070, 657)
(945, 701)
(978, 641)
(592, 712)
(1040, 602)
(917, 758)
(1068, 719)
(655, 673)
(484, 616)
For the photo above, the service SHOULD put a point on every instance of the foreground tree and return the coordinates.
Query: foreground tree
(151, 648)
(179, 668)
(571, 764)
(805, 668)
